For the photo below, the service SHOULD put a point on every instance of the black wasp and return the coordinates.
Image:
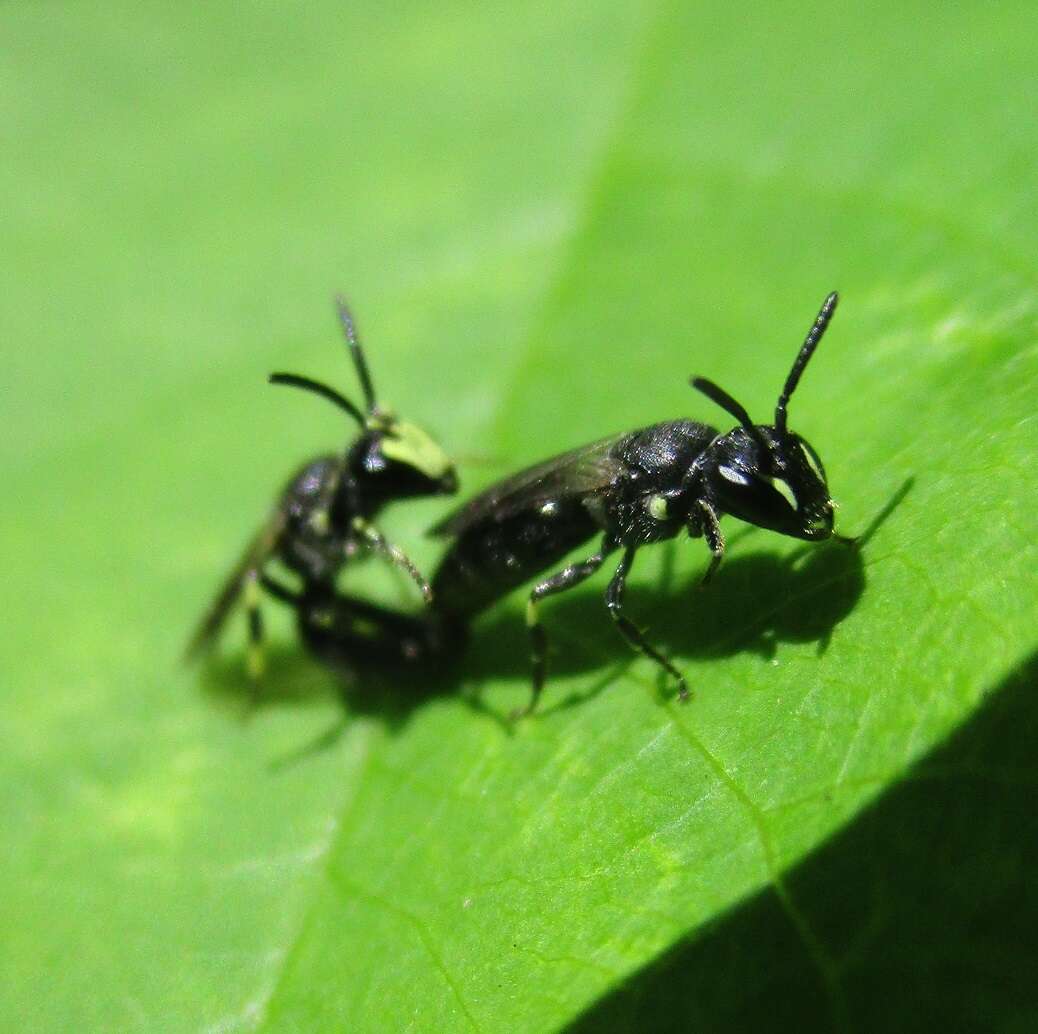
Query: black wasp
(633, 489)
(323, 517)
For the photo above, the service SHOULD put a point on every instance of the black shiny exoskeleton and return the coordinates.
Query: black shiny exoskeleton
(323, 516)
(633, 489)
(345, 632)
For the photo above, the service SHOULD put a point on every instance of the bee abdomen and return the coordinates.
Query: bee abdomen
(491, 559)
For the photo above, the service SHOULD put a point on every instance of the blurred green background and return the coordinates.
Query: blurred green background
(545, 218)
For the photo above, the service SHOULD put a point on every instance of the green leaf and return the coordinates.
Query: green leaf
(546, 219)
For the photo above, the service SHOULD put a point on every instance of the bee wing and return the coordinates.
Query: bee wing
(578, 472)
(260, 547)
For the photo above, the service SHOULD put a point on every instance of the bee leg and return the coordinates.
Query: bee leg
(627, 628)
(255, 660)
(713, 535)
(564, 579)
(377, 541)
(279, 591)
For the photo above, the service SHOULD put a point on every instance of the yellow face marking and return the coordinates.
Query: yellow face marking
(813, 465)
(782, 487)
(409, 444)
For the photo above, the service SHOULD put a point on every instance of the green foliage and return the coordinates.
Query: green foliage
(546, 219)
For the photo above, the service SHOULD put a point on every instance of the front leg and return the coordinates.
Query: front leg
(713, 535)
(377, 541)
(627, 628)
(560, 582)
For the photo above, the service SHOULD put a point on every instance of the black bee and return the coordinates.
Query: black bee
(346, 633)
(323, 517)
(633, 489)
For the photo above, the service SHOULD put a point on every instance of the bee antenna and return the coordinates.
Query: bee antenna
(357, 353)
(717, 394)
(814, 336)
(293, 380)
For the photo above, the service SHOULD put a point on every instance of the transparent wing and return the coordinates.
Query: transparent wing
(256, 553)
(578, 472)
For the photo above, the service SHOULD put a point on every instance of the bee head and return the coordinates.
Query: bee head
(395, 456)
(402, 458)
(766, 474)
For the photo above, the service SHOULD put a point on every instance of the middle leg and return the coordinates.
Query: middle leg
(630, 631)
(560, 582)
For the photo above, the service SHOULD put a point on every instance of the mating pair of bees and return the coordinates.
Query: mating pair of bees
(630, 489)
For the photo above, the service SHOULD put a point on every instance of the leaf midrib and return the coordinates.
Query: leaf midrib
(585, 203)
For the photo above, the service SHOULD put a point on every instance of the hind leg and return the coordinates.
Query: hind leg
(255, 658)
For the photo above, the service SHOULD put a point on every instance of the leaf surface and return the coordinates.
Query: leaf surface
(546, 220)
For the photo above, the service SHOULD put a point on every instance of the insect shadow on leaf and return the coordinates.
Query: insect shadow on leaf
(796, 598)
(758, 602)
